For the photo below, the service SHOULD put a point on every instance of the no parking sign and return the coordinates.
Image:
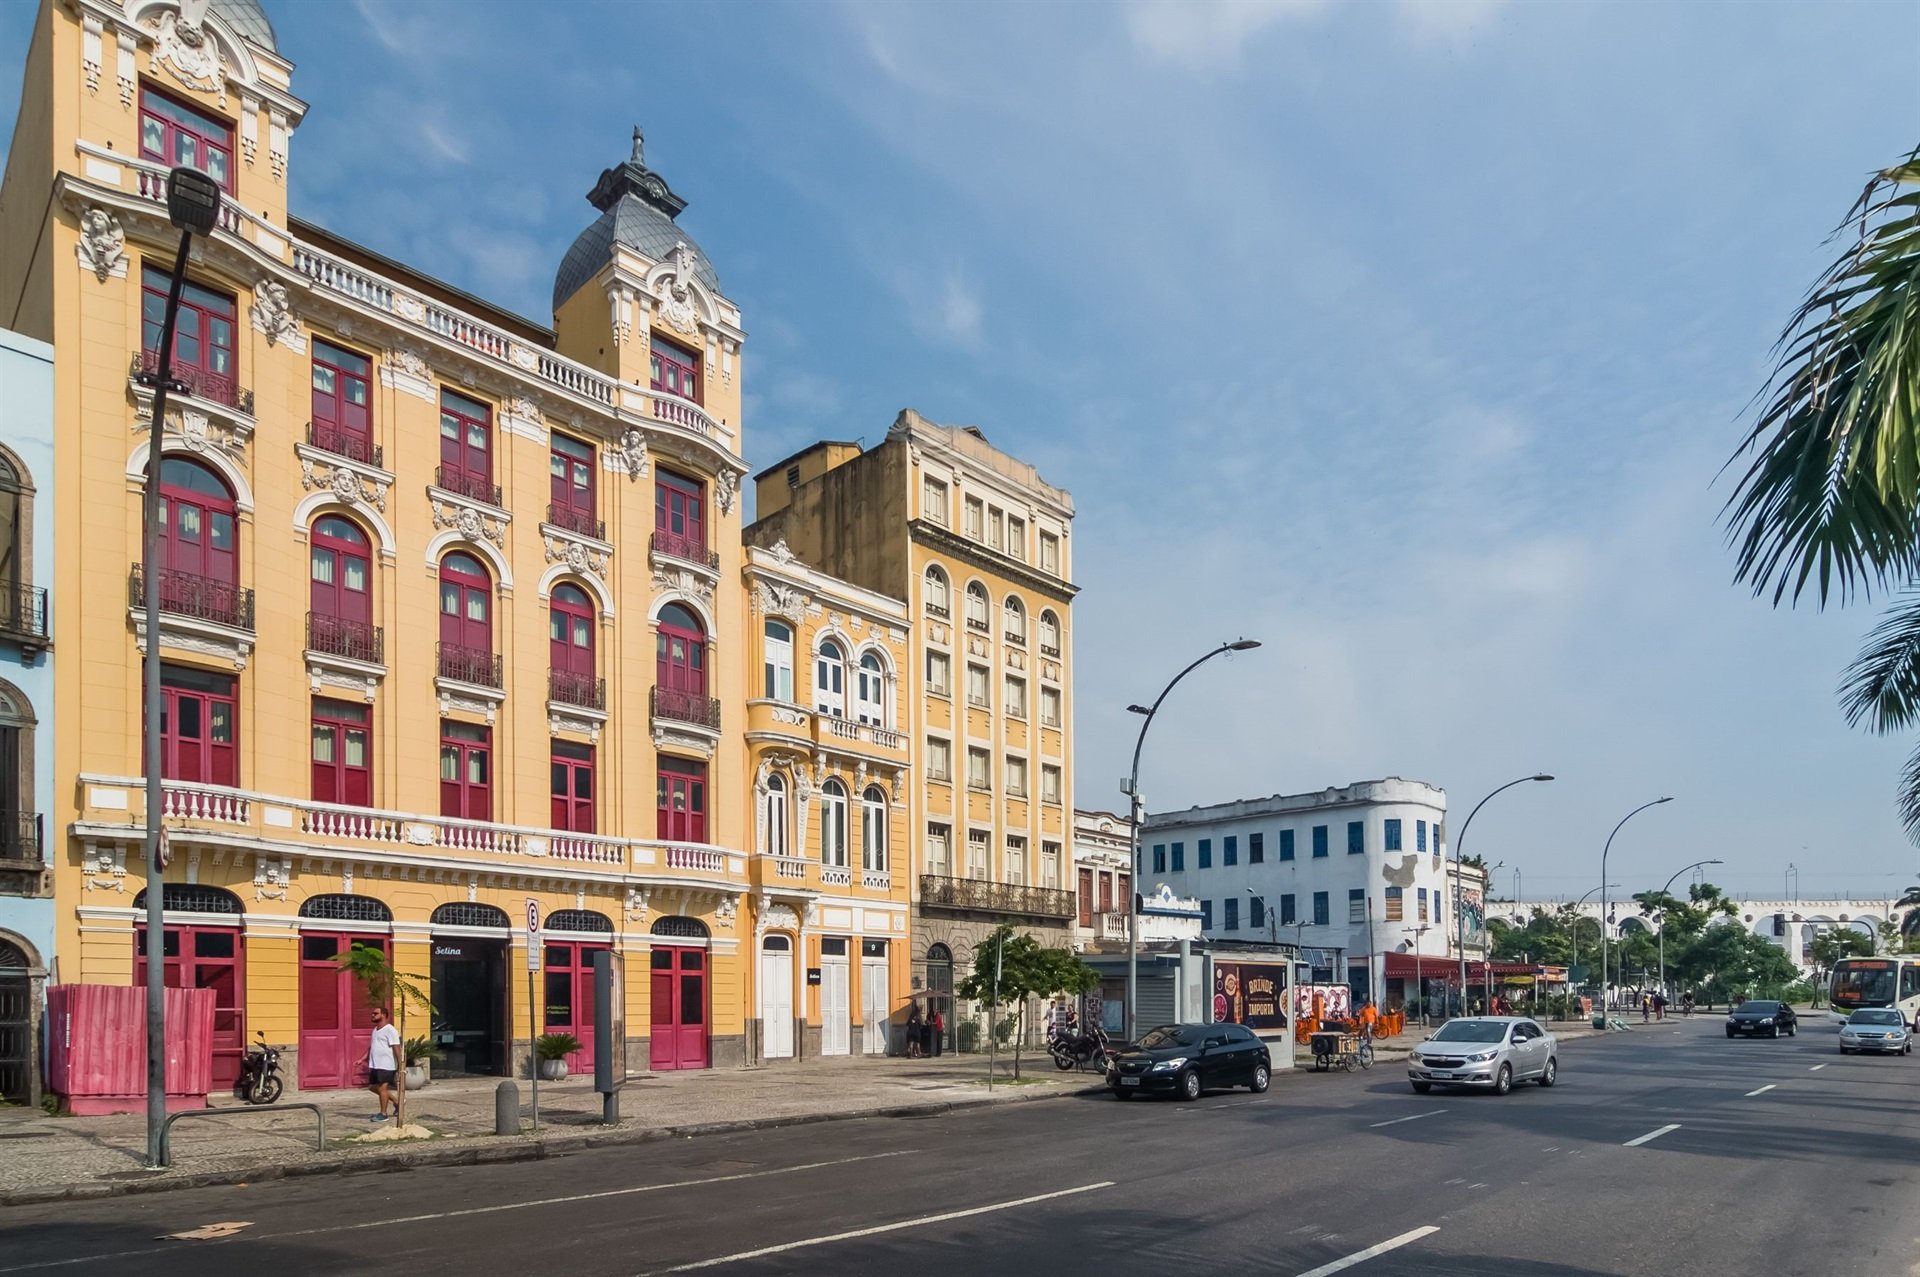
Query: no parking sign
(533, 934)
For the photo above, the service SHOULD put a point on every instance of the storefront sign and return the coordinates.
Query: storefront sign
(1250, 993)
(813, 975)
(443, 950)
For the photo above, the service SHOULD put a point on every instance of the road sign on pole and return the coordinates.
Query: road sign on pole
(533, 934)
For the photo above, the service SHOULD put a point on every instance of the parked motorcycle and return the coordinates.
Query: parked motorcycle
(1080, 1050)
(260, 1081)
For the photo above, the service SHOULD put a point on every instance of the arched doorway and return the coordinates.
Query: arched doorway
(17, 1055)
(776, 997)
(679, 994)
(208, 952)
(334, 1030)
(469, 981)
(569, 982)
(940, 991)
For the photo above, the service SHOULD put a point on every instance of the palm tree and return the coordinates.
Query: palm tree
(1910, 925)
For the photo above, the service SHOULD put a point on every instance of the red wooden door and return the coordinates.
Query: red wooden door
(569, 1002)
(682, 801)
(679, 1008)
(335, 1033)
(197, 532)
(206, 958)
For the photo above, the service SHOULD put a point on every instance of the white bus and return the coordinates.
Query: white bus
(1878, 982)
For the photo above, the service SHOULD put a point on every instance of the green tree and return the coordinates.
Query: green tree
(1010, 968)
(1830, 497)
(387, 986)
(1910, 922)
(1729, 959)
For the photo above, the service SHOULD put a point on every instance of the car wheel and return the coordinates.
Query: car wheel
(1503, 1083)
(1793, 1030)
(1260, 1080)
(1774, 1032)
(1729, 1033)
(1421, 1088)
(1190, 1085)
(1844, 1051)
(1119, 1094)
(1550, 1074)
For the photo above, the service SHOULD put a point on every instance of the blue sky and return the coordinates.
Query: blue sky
(1406, 337)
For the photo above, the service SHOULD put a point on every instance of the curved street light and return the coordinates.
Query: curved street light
(1133, 820)
(1460, 876)
(1575, 926)
(1663, 915)
(1600, 1015)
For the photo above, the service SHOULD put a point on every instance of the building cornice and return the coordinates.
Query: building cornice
(952, 544)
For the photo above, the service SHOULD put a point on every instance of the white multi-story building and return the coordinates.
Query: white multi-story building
(1103, 881)
(1303, 868)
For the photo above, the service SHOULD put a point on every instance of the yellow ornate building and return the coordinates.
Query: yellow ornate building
(456, 614)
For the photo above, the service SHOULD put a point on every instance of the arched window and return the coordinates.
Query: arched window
(777, 841)
(776, 943)
(680, 927)
(833, 823)
(199, 544)
(13, 550)
(936, 592)
(1016, 621)
(340, 592)
(466, 621)
(977, 605)
(572, 672)
(346, 908)
(1049, 633)
(830, 680)
(870, 696)
(779, 661)
(190, 897)
(873, 829)
(580, 920)
(19, 840)
(680, 662)
(463, 913)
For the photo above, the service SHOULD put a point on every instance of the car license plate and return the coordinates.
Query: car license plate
(1444, 1075)
(1129, 1081)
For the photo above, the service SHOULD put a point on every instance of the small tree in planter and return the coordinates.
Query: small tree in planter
(553, 1050)
(387, 986)
(420, 1053)
(1025, 969)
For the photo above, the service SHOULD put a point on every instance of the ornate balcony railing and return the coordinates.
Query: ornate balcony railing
(201, 597)
(978, 623)
(344, 443)
(685, 548)
(355, 640)
(1049, 649)
(686, 707)
(469, 665)
(995, 897)
(21, 840)
(940, 610)
(475, 487)
(214, 387)
(23, 611)
(569, 688)
(574, 519)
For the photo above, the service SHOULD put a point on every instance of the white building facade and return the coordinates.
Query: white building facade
(1349, 873)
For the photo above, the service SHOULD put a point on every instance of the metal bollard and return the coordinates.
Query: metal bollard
(506, 1108)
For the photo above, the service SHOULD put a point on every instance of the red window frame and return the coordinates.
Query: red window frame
(339, 551)
(203, 333)
(466, 444)
(465, 585)
(674, 369)
(342, 401)
(571, 617)
(199, 523)
(679, 515)
(681, 800)
(1086, 897)
(466, 771)
(572, 787)
(342, 730)
(571, 466)
(199, 726)
(173, 132)
(680, 652)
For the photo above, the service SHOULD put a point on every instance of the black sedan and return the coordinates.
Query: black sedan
(1186, 1059)
(1762, 1019)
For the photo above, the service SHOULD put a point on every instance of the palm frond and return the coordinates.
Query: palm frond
(1881, 688)
(1831, 497)
(1909, 796)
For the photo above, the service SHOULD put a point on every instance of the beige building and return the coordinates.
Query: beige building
(977, 545)
(1102, 878)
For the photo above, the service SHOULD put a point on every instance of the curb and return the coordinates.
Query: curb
(528, 1150)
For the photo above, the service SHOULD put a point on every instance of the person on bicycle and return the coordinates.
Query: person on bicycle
(1686, 1002)
(1369, 1017)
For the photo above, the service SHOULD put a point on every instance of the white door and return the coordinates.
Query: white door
(835, 1029)
(873, 1004)
(776, 997)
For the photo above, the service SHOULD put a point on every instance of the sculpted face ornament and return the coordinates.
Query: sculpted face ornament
(102, 243)
(676, 292)
(633, 451)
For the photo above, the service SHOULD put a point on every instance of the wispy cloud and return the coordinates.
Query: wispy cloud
(1200, 34)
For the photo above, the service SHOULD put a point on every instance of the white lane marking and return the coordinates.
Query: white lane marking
(1416, 1117)
(481, 1210)
(1762, 1091)
(1362, 1256)
(853, 1233)
(1816, 1068)
(1651, 1135)
(1476, 1186)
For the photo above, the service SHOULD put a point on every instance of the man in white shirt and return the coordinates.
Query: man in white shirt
(383, 1063)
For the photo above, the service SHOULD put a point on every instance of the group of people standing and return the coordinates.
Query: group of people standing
(925, 1033)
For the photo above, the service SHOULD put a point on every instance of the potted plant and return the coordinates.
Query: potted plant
(553, 1050)
(421, 1053)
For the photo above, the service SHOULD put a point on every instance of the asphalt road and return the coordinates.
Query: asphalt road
(1773, 1157)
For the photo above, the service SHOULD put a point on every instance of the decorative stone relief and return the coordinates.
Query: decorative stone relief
(277, 133)
(249, 128)
(345, 484)
(779, 916)
(675, 291)
(272, 314)
(451, 701)
(409, 307)
(320, 677)
(725, 912)
(899, 786)
(105, 866)
(469, 523)
(560, 721)
(636, 905)
(673, 738)
(270, 877)
(725, 489)
(184, 49)
(779, 599)
(781, 554)
(197, 432)
(813, 913)
(103, 244)
(633, 452)
(577, 556)
(403, 370)
(90, 51)
(523, 357)
(620, 312)
(787, 714)
(684, 580)
(126, 72)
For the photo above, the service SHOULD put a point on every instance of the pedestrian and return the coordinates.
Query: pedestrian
(1646, 1007)
(937, 1031)
(915, 1023)
(1659, 1005)
(1369, 1017)
(383, 1064)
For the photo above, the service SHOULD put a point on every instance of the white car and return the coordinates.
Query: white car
(1881, 1030)
(1491, 1051)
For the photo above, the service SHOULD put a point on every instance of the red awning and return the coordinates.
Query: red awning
(1431, 966)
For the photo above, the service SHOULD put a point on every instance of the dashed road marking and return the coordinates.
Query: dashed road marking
(1762, 1091)
(1410, 1118)
(1816, 1068)
(1651, 1135)
(1361, 1256)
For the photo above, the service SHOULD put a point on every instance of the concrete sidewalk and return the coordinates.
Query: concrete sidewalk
(46, 1158)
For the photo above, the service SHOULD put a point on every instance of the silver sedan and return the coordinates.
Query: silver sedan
(1491, 1051)
(1875, 1029)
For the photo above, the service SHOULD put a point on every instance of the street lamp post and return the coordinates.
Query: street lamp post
(1419, 984)
(1460, 877)
(193, 206)
(1663, 916)
(1273, 929)
(1133, 819)
(1600, 1016)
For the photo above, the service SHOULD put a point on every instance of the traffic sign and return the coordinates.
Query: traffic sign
(533, 934)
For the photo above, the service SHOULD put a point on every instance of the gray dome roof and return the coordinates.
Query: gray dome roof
(637, 210)
(248, 20)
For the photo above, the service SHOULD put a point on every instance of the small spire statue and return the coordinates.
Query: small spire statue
(639, 146)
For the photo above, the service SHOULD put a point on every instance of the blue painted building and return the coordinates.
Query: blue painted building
(26, 706)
